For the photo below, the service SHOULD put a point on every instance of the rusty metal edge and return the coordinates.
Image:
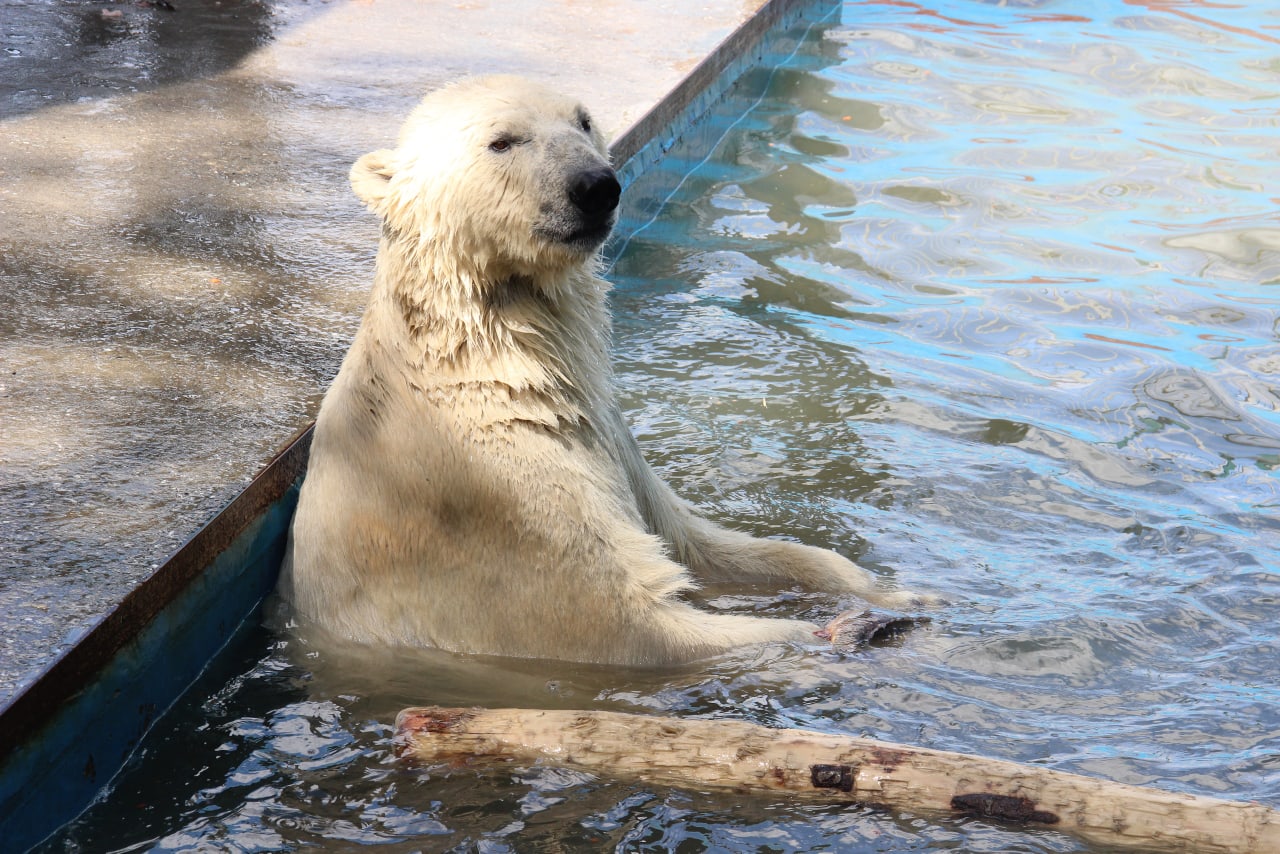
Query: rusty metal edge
(742, 41)
(29, 711)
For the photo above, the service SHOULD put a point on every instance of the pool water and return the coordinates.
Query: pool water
(984, 296)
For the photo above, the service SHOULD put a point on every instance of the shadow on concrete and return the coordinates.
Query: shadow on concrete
(58, 52)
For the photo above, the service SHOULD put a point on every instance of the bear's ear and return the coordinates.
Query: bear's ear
(371, 177)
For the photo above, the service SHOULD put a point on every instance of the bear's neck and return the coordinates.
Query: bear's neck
(546, 340)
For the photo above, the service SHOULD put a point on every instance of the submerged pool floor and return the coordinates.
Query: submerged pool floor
(982, 295)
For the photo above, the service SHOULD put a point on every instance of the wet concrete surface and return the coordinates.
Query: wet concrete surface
(182, 263)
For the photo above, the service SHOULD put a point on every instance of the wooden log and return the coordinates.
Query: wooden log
(744, 757)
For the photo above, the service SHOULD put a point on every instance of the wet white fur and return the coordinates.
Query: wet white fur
(473, 485)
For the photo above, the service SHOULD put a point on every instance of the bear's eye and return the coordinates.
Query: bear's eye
(500, 145)
(584, 122)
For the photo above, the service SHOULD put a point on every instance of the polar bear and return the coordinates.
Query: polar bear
(472, 484)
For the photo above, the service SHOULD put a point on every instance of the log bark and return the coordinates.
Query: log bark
(744, 757)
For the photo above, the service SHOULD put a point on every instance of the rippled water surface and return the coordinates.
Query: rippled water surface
(982, 295)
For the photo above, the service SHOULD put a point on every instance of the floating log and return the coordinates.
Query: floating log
(744, 757)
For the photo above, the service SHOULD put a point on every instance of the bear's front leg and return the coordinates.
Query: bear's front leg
(719, 555)
(678, 632)
(716, 555)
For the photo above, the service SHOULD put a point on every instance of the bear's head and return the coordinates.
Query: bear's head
(500, 175)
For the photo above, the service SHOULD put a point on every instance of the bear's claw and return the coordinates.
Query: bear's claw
(852, 630)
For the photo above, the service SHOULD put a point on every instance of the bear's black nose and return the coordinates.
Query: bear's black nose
(595, 191)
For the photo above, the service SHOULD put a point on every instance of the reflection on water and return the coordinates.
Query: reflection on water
(983, 295)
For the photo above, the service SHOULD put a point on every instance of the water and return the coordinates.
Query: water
(981, 295)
